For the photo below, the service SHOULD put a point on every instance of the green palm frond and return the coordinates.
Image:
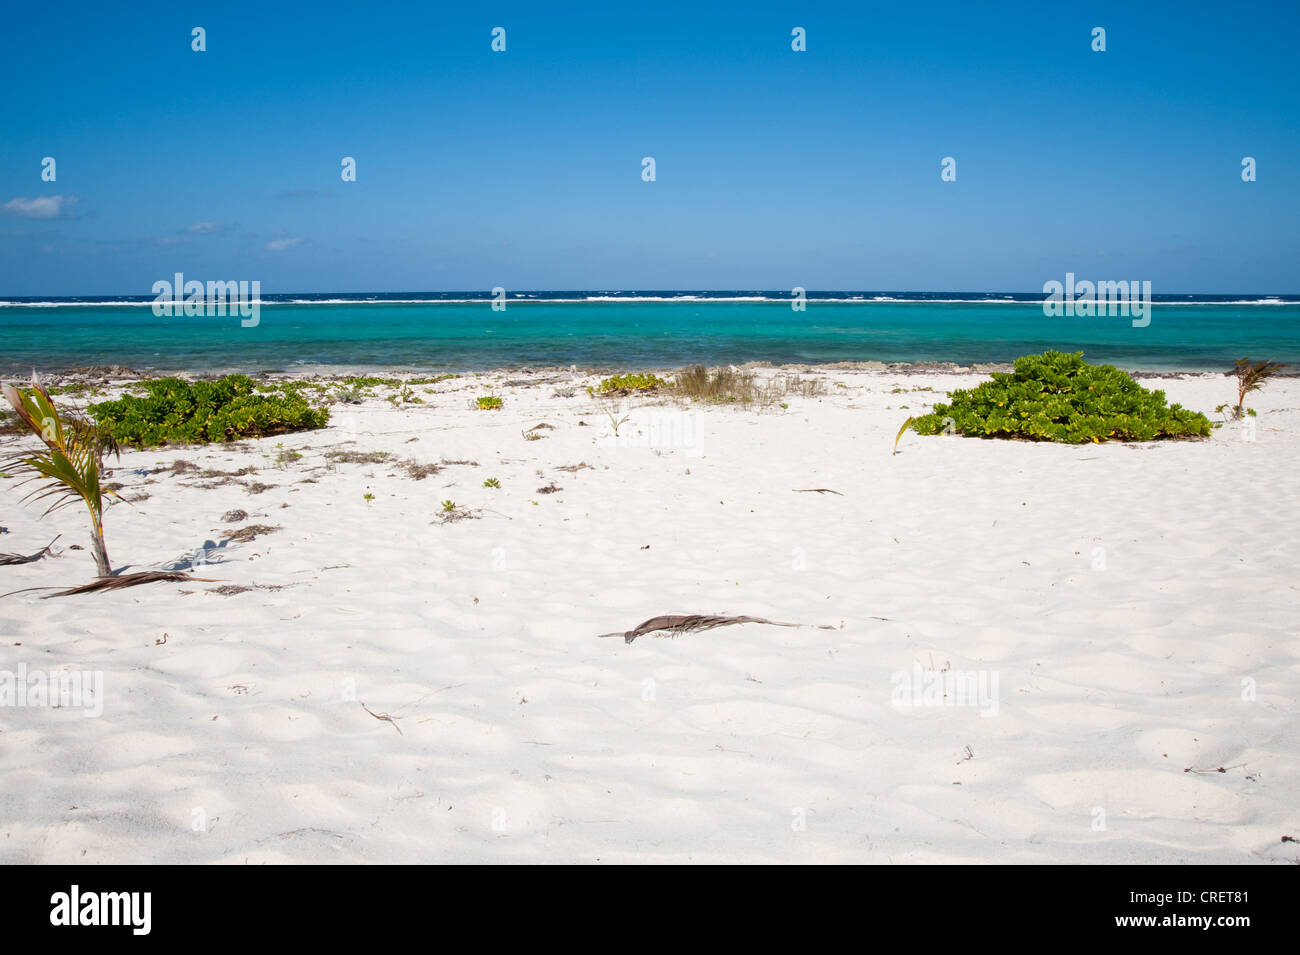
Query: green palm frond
(70, 463)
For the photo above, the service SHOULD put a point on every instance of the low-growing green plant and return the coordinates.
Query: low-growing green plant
(405, 396)
(174, 411)
(367, 497)
(76, 388)
(370, 381)
(491, 482)
(1057, 396)
(622, 383)
(489, 403)
(430, 381)
(448, 506)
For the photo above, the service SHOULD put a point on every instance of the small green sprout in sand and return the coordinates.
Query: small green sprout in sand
(448, 507)
(491, 482)
(615, 422)
(368, 497)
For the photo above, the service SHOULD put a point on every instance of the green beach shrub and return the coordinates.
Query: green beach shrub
(175, 411)
(625, 383)
(489, 403)
(1057, 396)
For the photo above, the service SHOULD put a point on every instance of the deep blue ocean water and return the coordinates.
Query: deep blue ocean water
(460, 331)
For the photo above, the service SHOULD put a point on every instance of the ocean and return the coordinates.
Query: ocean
(451, 331)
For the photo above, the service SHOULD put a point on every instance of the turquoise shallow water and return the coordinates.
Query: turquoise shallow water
(470, 335)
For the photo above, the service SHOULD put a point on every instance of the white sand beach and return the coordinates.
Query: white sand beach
(391, 687)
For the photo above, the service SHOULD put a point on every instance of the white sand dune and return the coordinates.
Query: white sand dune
(1131, 613)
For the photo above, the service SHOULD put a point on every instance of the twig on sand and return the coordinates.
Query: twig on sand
(385, 717)
(6, 559)
(1206, 772)
(815, 490)
(673, 624)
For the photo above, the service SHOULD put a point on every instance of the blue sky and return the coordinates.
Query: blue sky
(774, 168)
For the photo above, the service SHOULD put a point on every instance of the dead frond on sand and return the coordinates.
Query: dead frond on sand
(358, 457)
(456, 514)
(245, 534)
(815, 490)
(418, 470)
(8, 559)
(230, 590)
(118, 582)
(215, 473)
(673, 624)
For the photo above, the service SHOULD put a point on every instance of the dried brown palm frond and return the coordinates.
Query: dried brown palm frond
(457, 514)
(128, 580)
(116, 582)
(8, 559)
(673, 624)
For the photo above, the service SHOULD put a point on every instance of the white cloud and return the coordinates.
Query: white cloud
(279, 245)
(203, 227)
(44, 207)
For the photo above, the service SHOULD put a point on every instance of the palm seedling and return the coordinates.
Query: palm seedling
(1251, 376)
(71, 461)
